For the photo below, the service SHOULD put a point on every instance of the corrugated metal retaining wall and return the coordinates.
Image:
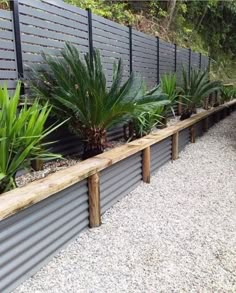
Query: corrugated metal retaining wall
(29, 238)
(199, 128)
(184, 138)
(119, 179)
(161, 153)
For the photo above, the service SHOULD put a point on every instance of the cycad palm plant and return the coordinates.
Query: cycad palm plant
(195, 87)
(21, 135)
(77, 89)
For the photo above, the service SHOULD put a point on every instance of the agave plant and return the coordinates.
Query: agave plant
(76, 88)
(21, 135)
(195, 87)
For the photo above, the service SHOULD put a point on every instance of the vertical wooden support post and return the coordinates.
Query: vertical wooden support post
(192, 134)
(146, 165)
(94, 200)
(206, 124)
(175, 146)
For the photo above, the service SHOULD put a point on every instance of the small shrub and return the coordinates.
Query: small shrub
(21, 135)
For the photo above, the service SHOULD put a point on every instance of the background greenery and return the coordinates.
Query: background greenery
(206, 26)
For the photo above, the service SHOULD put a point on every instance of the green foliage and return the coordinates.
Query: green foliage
(227, 93)
(145, 119)
(197, 86)
(115, 11)
(21, 135)
(144, 122)
(77, 89)
(168, 87)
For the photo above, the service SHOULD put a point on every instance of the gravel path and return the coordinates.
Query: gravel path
(177, 234)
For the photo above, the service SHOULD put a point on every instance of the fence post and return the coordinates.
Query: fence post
(14, 6)
(200, 61)
(130, 49)
(90, 33)
(146, 164)
(175, 58)
(158, 60)
(189, 63)
(94, 200)
(175, 146)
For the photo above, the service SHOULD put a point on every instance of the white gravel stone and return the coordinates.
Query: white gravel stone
(177, 234)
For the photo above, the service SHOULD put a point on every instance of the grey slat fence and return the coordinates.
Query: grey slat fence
(45, 25)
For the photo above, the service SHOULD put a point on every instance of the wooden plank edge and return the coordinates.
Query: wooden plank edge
(18, 199)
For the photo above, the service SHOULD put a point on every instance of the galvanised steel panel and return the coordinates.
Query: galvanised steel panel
(184, 138)
(161, 153)
(31, 237)
(115, 133)
(199, 128)
(119, 179)
(211, 121)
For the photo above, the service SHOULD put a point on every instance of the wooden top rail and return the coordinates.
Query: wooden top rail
(20, 198)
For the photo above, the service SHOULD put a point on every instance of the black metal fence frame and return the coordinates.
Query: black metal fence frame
(14, 6)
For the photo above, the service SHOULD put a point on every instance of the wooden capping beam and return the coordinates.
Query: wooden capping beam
(192, 134)
(175, 146)
(146, 170)
(94, 200)
(18, 199)
(206, 124)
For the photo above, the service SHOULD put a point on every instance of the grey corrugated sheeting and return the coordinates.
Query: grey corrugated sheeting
(31, 237)
(115, 133)
(184, 138)
(199, 129)
(161, 153)
(167, 57)
(8, 66)
(211, 121)
(119, 179)
(144, 51)
(112, 39)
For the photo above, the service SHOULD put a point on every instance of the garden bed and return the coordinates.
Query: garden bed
(39, 219)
